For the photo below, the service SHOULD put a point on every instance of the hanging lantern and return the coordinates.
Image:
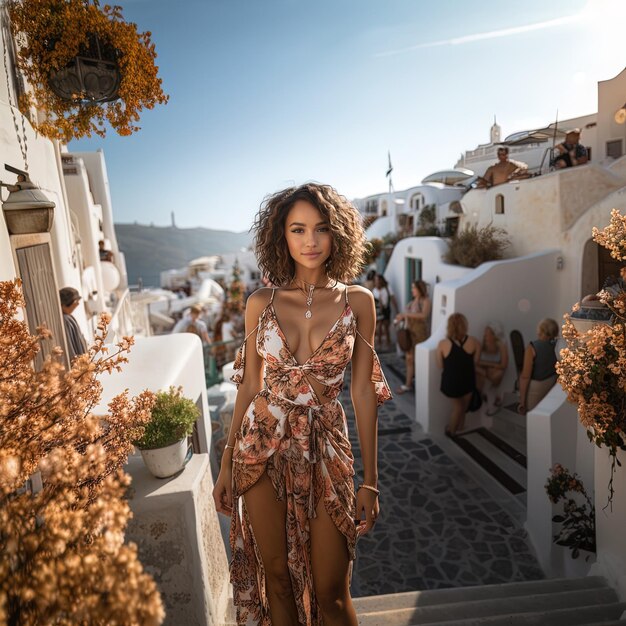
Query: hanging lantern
(27, 209)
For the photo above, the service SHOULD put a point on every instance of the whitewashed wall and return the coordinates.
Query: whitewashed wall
(516, 292)
(430, 251)
(610, 523)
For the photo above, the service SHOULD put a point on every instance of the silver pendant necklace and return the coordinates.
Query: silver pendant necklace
(309, 302)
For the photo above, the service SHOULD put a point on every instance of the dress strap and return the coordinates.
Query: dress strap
(365, 340)
(381, 387)
(347, 295)
(272, 298)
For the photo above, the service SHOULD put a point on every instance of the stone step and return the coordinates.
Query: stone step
(580, 616)
(508, 610)
(500, 458)
(512, 427)
(451, 595)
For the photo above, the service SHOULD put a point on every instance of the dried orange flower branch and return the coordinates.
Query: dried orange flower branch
(50, 33)
(63, 559)
(592, 370)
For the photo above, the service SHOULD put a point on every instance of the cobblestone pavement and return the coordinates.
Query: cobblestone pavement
(438, 527)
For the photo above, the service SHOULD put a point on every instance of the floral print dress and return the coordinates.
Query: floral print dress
(303, 446)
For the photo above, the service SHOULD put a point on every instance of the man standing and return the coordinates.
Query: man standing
(503, 171)
(76, 343)
(570, 153)
(193, 324)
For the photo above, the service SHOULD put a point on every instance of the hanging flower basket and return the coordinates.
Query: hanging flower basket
(86, 66)
(92, 77)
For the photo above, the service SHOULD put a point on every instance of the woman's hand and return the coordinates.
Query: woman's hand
(223, 491)
(521, 408)
(366, 504)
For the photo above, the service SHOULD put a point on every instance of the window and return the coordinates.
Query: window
(383, 207)
(417, 201)
(499, 204)
(614, 148)
(371, 207)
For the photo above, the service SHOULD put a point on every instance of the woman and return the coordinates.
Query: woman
(538, 373)
(457, 356)
(416, 316)
(494, 359)
(370, 280)
(286, 475)
(384, 300)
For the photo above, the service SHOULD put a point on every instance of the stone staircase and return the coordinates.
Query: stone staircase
(501, 448)
(558, 602)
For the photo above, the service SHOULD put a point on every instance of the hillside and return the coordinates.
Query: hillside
(149, 250)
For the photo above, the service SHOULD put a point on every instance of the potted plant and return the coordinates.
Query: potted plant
(578, 530)
(163, 445)
(592, 368)
(85, 66)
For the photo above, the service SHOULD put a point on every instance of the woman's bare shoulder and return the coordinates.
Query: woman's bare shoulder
(362, 294)
(258, 300)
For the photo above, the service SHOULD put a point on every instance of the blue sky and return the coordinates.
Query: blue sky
(264, 94)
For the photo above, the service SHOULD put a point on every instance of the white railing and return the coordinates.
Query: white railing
(121, 324)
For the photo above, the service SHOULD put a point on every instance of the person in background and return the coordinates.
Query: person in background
(494, 359)
(76, 344)
(503, 171)
(370, 280)
(538, 370)
(105, 255)
(193, 324)
(416, 316)
(383, 299)
(570, 152)
(457, 355)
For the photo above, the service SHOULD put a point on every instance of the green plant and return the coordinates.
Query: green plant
(427, 222)
(172, 419)
(50, 33)
(374, 248)
(579, 520)
(473, 246)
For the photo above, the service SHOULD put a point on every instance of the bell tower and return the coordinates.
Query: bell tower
(495, 132)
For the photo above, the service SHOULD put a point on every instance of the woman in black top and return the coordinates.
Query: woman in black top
(457, 356)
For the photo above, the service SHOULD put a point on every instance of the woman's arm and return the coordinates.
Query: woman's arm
(477, 350)
(365, 405)
(362, 388)
(504, 356)
(248, 388)
(439, 353)
(524, 377)
(253, 372)
(424, 314)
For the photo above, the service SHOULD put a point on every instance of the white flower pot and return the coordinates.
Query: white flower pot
(167, 461)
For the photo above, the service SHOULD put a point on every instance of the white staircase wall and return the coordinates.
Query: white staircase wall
(555, 435)
(611, 522)
(517, 292)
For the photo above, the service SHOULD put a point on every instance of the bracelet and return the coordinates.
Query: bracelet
(229, 446)
(369, 488)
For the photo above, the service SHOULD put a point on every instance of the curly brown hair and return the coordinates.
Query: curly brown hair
(349, 246)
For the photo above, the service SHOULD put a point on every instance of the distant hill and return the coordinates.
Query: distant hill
(149, 250)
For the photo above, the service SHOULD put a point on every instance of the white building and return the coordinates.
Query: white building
(552, 263)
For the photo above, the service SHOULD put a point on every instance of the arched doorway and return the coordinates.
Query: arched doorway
(597, 266)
